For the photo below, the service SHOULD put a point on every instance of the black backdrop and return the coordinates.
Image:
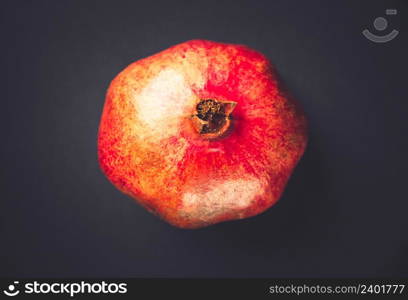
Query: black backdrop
(344, 212)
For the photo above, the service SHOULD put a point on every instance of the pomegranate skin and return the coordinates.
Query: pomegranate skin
(152, 145)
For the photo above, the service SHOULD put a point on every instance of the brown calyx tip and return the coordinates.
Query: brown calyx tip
(212, 118)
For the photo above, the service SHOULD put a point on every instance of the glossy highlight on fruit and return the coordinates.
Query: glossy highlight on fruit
(200, 133)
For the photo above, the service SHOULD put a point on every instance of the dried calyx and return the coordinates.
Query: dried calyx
(212, 117)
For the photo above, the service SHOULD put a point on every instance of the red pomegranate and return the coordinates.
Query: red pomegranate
(200, 133)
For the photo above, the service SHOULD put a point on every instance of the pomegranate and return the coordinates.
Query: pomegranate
(200, 133)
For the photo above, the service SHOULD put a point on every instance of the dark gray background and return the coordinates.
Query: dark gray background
(344, 212)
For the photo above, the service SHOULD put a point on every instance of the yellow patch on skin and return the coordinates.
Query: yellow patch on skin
(159, 171)
(194, 64)
(261, 66)
(163, 93)
(216, 199)
(162, 102)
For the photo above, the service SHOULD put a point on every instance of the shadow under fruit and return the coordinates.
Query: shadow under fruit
(200, 133)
